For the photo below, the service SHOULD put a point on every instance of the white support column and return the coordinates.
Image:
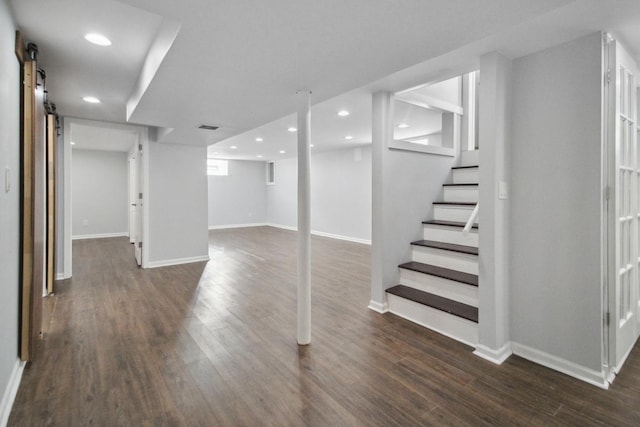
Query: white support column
(304, 219)
(382, 133)
(493, 329)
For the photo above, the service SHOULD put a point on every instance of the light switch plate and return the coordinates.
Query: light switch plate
(502, 190)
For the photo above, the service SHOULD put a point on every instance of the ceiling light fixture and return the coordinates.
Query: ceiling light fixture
(259, 156)
(282, 151)
(98, 39)
(73, 143)
(91, 100)
(258, 139)
(233, 147)
(311, 145)
(403, 125)
(343, 113)
(348, 137)
(292, 129)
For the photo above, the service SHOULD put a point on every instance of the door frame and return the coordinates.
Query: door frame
(143, 138)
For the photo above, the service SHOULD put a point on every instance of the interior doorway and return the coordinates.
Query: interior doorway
(104, 184)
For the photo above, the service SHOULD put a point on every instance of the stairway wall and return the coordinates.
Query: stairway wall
(405, 184)
(555, 272)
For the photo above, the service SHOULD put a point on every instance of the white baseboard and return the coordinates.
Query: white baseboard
(99, 236)
(222, 227)
(282, 226)
(177, 261)
(10, 392)
(340, 237)
(495, 356)
(323, 234)
(379, 307)
(596, 378)
(60, 276)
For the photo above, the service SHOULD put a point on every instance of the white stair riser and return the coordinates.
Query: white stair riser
(447, 259)
(470, 158)
(461, 194)
(452, 326)
(450, 235)
(450, 289)
(466, 176)
(453, 213)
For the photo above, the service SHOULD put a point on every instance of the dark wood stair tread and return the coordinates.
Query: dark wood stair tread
(448, 223)
(465, 167)
(435, 301)
(447, 246)
(461, 185)
(456, 203)
(445, 273)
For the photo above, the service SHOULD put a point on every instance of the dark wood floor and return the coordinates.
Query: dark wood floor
(213, 343)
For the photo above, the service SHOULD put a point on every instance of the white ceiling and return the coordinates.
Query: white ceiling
(238, 64)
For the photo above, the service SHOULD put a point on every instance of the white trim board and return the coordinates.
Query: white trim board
(10, 392)
(596, 378)
(379, 307)
(324, 234)
(223, 227)
(100, 236)
(494, 356)
(177, 261)
(419, 148)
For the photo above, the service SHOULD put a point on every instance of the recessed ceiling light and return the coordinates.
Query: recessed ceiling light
(282, 151)
(98, 39)
(73, 143)
(348, 137)
(91, 100)
(258, 139)
(343, 113)
(311, 145)
(233, 147)
(403, 125)
(292, 129)
(259, 156)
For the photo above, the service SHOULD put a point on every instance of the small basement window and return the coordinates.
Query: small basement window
(217, 167)
(271, 172)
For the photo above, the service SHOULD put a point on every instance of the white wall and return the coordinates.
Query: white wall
(99, 193)
(177, 204)
(555, 202)
(340, 193)
(240, 197)
(9, 207)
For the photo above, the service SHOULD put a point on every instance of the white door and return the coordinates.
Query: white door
(139, 204)
(624, 174)
(133, 186)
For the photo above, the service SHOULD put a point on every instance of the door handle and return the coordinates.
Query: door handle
(133, 204)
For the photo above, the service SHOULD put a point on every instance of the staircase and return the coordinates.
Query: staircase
(439, 287)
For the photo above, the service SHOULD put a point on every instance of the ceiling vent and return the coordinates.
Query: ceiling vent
(208, 127)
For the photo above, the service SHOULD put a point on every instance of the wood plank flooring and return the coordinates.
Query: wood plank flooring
(210, 344)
